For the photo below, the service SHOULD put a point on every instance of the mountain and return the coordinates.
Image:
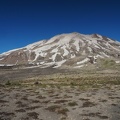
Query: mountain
(66, 50)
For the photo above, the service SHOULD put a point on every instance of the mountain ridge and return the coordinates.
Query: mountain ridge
(70, 50)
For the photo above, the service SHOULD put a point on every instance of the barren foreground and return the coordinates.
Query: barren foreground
(63, 97)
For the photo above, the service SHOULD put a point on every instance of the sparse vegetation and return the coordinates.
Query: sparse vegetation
(88, 104)
(20, 110)
(60, 101)
(107, 63)
(72, 104)
(33, 115)
(3, 101)
(53, 108)
(36, 83)
(8, 83)
(62, 95)
(63, 111)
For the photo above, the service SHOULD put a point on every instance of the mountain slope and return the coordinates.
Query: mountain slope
(69, 50)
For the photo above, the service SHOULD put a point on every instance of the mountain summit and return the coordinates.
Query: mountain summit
(66, 50)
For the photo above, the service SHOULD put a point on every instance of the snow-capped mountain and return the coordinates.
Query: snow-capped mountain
(69, 50)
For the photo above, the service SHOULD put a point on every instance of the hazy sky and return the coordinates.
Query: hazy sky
(26, 21)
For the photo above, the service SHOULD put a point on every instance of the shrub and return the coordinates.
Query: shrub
(36, 83)
(8, 83)
(72, 104)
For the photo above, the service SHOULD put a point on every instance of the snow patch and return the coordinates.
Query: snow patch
(117, 62)
(7, 64)
(59, 63)
(76, 43)
(42, 62)
(1, 58)
(83, 61)
(72, 55)
(7, 53)
(96, 46)
(2, 64)
(105, 54)
(84, 53)
(99, 36)
(54, 50)
(31, 46)
(100, 56)
(19, 53)
(114, 48)
(66, 52)
(54, 56)
(90, 49)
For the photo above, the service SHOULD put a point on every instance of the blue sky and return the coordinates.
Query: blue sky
(26, 21)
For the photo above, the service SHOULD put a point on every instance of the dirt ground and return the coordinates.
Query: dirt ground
(93, 96)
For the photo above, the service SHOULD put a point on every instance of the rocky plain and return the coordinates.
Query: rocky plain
(59, 94)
